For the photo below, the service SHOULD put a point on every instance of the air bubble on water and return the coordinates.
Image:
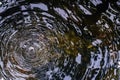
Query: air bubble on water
(31, 48)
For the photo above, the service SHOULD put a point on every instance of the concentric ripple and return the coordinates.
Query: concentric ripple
(33, 41)
(24, 49)
(59, 40)
(31, 47)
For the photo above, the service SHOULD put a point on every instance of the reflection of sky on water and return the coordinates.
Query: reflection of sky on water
(95, 57)
(40, 5)
(96, 2)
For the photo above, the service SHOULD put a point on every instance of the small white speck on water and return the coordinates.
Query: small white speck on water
(0, 3)
(78, 59)
(67, 78)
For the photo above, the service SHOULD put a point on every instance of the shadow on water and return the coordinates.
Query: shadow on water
(60, 40)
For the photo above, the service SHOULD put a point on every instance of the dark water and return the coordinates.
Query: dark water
(60, 40)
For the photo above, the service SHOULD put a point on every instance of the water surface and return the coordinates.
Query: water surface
(59, 40)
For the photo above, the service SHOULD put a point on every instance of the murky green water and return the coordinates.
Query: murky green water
(60, 40)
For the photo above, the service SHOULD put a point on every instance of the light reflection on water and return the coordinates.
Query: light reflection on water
(59, 40)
